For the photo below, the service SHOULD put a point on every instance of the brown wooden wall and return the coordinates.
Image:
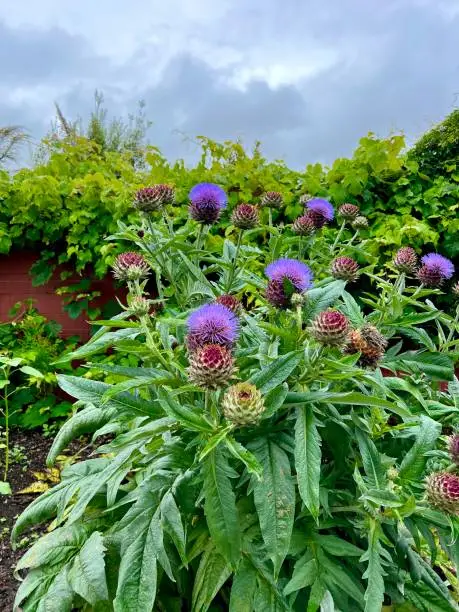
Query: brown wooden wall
(16, 286)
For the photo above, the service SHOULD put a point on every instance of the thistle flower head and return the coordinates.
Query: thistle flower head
(406, 260)
(360, 222)
(271, 199)
(149, 199)
(212, 324)
(243, 404)
(298, 273)
(320, 211)
(345, 268)
(304, 226)
(231, 302)
(130, 266)
(435, 270)
(207, 200)
(442, 491)
(286, 277)
(245, 216)
(348, 212)
(211, 366)
(453, 447)
(330, 327)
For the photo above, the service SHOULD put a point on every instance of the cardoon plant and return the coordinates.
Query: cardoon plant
(287, 456)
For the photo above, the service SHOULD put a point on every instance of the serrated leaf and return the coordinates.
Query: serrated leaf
(172, 521)
(213, 572)
(374, 594)
(374, 469)
(276, 373)
(338, 547)
(87, 574)
(352, 310)
(308, 458)
(220, 507)
(184, 415)
(243, 588)
(437, 366)
(274, 498)
(414, 462)
(97, 345)
(244, 455)
(320, 298)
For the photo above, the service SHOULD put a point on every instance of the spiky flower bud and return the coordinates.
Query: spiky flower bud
(130, 266)
(304, 225)
(231, 302)
(442, 491)
(406, 260)
(304, 199)
(368, 341)
(348, 212)
(149, 199)
(245, 216)
(271, 199)
(345, 268)
(243, 404)
(330, 327)
(453, 447)
(276, 295)
(211, 366)
(139, 306)
(360, 222)
(298, 299)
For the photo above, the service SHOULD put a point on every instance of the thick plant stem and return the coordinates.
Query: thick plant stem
(299, 319)
(338, 236)
(199, 237)
(232, 273)
(145, 322)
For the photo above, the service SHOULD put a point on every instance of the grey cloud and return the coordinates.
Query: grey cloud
(396, 69)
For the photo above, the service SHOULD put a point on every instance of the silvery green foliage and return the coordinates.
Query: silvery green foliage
(319, 505)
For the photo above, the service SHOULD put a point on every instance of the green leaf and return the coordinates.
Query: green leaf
(85, 421)
(320, 298)
(93, 391)
(220, 506)
(334, 574)
(137, 576)
(274, 400)
(5, 488)
(308, 458)
(304, 574)
(374, 470)
(172, 521)
(414, 462)
(31, 371)
(213, 572)
(274, 499)
(436, 365)
(191, 419)
(276, 373)
(348, 398)
(214, 441)
(87, 574)
(338, 547)
(59, 595)
(352, 310)
(244, 455)
(243, 588)
(374, 594)
(99, 345)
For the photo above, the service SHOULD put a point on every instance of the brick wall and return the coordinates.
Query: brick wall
(16, 286)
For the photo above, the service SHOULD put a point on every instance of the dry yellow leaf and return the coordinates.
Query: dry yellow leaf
(35, 487)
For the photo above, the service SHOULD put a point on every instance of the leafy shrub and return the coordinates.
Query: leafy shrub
(279, 467)
(439, 146)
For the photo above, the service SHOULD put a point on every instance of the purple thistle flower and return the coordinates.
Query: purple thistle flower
(298, 273)
(434, 261)
(207, 200)
(321, 210)
(212, 324)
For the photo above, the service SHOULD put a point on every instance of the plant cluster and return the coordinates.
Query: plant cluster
(284, 443)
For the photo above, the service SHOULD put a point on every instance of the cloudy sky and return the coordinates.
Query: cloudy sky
(306, 77)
